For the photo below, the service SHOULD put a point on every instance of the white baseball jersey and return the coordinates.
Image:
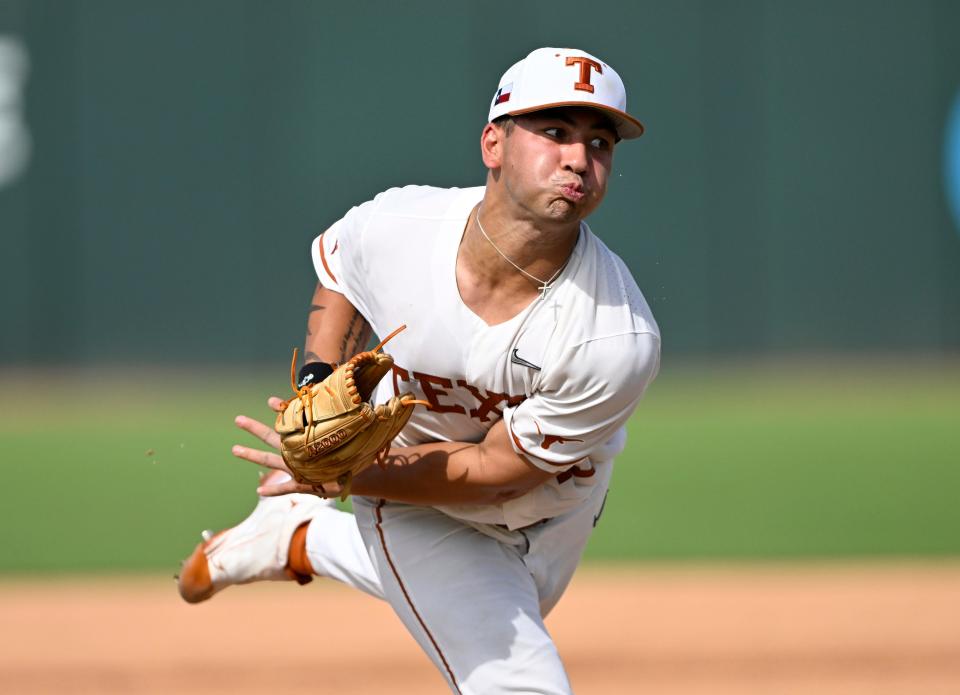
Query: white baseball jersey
(565, 373)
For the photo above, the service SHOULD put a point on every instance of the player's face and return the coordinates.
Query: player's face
(556, 162)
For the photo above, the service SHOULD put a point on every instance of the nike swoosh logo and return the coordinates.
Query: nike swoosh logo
(516, 359)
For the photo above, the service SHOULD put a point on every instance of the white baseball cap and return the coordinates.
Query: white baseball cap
(552, 77)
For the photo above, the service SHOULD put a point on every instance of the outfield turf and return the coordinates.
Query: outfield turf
(821, 460)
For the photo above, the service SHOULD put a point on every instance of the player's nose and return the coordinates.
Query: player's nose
(575, 157)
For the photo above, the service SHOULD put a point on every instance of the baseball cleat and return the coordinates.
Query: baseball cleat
(253, 550)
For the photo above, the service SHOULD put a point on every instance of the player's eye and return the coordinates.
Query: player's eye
(552, 132)
(600, 143)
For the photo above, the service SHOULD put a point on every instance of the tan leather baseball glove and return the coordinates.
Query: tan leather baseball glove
(329, 432)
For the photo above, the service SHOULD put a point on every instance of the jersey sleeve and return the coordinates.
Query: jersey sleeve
(584, 403)
(338, 255)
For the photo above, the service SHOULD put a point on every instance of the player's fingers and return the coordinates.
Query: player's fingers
(282, 489)
(267, 459)
(263, 432)
(276, 404)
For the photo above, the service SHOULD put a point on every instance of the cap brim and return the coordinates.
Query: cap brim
(627, 126)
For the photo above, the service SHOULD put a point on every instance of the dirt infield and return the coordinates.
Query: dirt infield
(782, 631)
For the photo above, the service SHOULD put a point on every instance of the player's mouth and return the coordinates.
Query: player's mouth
(573, 192)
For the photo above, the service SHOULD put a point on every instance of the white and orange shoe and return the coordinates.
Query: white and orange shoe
(254, 550)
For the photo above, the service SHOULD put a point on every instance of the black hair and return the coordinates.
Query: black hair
(505, 121)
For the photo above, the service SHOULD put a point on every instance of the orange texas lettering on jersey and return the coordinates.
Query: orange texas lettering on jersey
(436, 390)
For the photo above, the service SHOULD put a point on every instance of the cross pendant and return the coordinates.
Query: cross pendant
(544, 288)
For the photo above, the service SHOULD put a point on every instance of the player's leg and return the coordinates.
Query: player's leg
(290, 537)
(336, 550)
(554, 548)
(467, 598)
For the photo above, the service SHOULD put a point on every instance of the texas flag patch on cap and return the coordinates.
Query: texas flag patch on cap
(503, 94)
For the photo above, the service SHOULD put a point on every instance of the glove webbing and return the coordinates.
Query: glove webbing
(303, 393)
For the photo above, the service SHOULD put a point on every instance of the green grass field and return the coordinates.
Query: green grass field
(835, 459)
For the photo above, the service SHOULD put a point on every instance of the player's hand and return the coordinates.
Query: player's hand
(273, 460)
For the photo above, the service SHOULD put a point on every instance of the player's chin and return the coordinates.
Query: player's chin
(563, 209)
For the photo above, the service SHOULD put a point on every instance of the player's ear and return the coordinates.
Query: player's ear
(491, 145)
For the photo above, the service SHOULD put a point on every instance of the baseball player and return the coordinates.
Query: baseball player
(532, 345)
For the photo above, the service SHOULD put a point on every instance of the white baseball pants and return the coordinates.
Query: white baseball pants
(473, 596)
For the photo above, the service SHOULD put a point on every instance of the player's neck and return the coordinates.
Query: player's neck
(538, 248)
(494, 287)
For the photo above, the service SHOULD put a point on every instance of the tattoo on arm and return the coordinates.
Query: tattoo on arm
(313, 309)
(320, 339)
(355, 338)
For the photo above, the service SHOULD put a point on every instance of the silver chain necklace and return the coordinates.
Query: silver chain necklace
(543, 285)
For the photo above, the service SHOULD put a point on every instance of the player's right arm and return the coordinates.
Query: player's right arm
(336, 331)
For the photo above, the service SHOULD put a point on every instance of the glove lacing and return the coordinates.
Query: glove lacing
(306, 400)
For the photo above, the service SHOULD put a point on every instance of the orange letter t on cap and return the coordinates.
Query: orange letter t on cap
(585, 65)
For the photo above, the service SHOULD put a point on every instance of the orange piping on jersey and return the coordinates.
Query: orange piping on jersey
(403, 589)
(323, 257)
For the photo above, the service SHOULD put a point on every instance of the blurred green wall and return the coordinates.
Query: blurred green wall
(787, 196)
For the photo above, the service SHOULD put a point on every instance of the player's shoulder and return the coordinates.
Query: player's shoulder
(604, 325)
(604, 282)
(426, 202)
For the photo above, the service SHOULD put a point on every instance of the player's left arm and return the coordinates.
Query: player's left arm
(488, 472)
